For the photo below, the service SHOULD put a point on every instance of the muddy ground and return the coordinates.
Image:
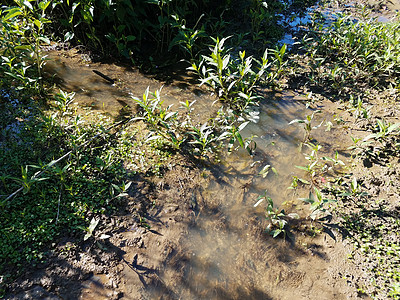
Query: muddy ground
(158, 261)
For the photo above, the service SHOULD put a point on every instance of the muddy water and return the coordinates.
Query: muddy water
(228, 255)
(72, 73)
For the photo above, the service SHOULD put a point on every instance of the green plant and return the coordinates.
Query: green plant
(317, 167)
(307, 124)
(354, 190)
(27, 181)
(23, 31)
(358, 110)
(265, 170)
(384, 130)
(348, 51)
(234, 78)
(378, 146)
(204, 138)
(313, 168)
(278, 218)
(186, 37)
(318, 204)
(62, 100)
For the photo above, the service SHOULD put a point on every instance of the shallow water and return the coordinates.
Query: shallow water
(73, 74)
(228, 255)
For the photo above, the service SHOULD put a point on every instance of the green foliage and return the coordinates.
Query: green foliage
(318, 204)
(317, 166)
(58, 170)
(352, 51)
(180, 134)
(372, 225)
(128, 26)
(307, 125)
(278, 219)
(235, 78)
(380, 145)
(22, 31)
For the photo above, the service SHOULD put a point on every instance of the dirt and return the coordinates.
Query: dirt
(164, 256)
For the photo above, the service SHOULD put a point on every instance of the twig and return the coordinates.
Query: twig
(104, 76)
(58, 207)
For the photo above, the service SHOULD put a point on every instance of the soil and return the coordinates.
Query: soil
(157, 258)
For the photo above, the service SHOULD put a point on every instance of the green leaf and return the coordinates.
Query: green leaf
(243, 125)
(93, 225)
(304, 181)
(12, 13)
(302, 168)
(264, 172)
(28, 4)
(260, 200)
(44, 39)
(296, 121)
(154, 137)
(68, 36)
(393, 127)
(275, 232)
(44, 4)
(130, 38)
(238, 137)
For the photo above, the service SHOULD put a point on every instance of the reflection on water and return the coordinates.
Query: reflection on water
(228, 255)
(71, 74)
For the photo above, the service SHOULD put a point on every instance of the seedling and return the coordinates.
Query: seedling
(307, 125)
(318, 204)
(278, 218)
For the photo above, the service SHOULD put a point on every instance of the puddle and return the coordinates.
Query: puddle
(71, 73)
(227, 254)
(230, 255)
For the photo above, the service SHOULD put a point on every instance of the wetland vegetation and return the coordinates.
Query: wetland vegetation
(84, 185)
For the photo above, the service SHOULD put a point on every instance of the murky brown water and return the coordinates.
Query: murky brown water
(231, 257)
(73, 74)
(228, 254)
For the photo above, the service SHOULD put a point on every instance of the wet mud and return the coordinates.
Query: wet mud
(206, 239)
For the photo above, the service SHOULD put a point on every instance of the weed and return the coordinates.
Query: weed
(278, 218)
(352, 51)
(235, 78)
(23, 28)
(318, 204)
(307, 125)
